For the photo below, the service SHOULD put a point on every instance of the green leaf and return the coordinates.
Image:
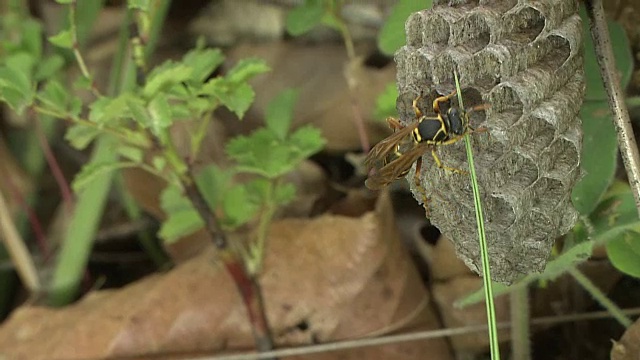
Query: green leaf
(237, 97)
(279, 112)
(107, 110)
(615, 214)
(246, 69)
(136, 109)
(305, 17)
(92, 171)
(15, 88)
(392, 35)
(31, 32)
(386, 102)
(624, 253)
(213, 182)
(236, 207)
(307, 141)
(80, 136)
(165, 77)
(556, 267)
(159, 162)
(48, 67)
(265, 154)
(54, 96)
(62, 39)
(22, 62)
(132, 153)
(621, 52)
(599, 156)
(64, 2)
(160, 111)
(203, 62)
(182, 218)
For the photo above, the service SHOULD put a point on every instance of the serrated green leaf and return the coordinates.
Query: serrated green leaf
(624, 253)
(182, 218)
(386, 102)
(63, 39)
(15, 89)
(279, 113)
(92, 171)
(22, 62)
(307, 141)
(236, 207)
(246, 69)
(139, 113)
(107, 110)
(305, 17)
(203, 63)
(237, 97)
(80, 136)
(82, 83)
(392, 35)
(132, 153)
(160, 111)
(265, 154)
(213, 182)
(167, 76)
(599, 154)
(54, 96)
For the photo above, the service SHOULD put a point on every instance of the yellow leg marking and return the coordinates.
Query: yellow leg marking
(442, 166)
(416, 109)
(420, 188)
(437, 101)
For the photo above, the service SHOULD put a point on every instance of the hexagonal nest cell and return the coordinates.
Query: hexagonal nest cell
(524, 59)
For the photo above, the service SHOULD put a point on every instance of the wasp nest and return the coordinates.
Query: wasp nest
(525, 60)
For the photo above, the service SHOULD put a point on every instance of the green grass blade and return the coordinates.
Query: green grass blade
(491, 311)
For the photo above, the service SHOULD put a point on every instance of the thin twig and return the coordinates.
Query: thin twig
(17, 249)
(621, 120)
(394, 339)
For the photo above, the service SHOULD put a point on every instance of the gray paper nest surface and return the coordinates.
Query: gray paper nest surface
(524, 59)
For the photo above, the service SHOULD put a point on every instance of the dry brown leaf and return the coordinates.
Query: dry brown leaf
(344, 277)
(446, 294)
(628, 347)
(318, 72)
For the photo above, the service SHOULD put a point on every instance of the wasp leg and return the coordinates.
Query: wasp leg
(442, 166)
(421, 189)
(394, 124)
(438, 100)
(415, 107)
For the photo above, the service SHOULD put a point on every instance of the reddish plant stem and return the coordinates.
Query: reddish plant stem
(247, 285)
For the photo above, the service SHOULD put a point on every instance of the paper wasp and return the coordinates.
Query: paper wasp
(425, 134)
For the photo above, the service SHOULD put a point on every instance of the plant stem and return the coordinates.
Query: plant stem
(600, 297)
(621, 120)
(18, 251)
(254, 263)
(76, 48)
(520, 323)
(352, 81)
